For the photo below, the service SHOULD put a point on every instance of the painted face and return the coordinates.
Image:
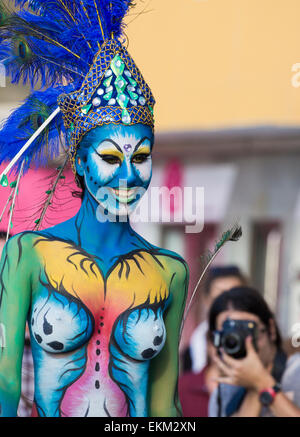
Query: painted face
(116, 164)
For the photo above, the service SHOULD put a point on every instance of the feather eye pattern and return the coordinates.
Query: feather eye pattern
(232, 234)
(55, 35)
(34, 52)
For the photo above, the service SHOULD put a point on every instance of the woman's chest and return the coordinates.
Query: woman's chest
(74, 302)
(59, 325)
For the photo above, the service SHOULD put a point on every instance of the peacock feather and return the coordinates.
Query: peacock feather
(57, 40)
(232, 234)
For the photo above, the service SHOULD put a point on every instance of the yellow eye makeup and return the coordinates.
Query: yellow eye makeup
(143, 149)
(111, 156)
(112, 152)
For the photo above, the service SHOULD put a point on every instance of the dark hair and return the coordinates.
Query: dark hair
(80, 183)
(243, 299)
(79, 179)
(2, 235)
(222, 272)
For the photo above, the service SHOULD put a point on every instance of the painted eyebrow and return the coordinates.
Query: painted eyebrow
(111, 141)
(118, 147)
(140, 142)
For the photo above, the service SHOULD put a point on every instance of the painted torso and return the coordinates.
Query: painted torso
(103, 305)
(94, 332)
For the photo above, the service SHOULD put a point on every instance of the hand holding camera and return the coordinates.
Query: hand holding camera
(237, 357)
(232, 338)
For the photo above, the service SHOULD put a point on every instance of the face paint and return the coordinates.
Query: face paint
(116, 164)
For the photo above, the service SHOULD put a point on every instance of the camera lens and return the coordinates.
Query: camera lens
(231, 343)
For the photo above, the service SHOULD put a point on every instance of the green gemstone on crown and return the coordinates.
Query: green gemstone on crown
(151, 109)
(123, 100)
(125, 116)
(132, 81)
(133, 95)
(4, 181)
(107, 81)
(108, 95)
(85, 109)
(120, 84)
(117, 65)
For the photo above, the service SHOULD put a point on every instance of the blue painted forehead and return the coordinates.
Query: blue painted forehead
(100, 133)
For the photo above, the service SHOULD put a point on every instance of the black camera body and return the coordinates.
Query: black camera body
(233, 335)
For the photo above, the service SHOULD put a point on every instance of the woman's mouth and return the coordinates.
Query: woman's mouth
(124, 195)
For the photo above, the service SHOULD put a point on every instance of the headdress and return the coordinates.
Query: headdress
(74, 51)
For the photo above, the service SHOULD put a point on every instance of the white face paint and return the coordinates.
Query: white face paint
(117, 166)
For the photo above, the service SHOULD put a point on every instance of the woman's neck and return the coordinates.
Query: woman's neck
(96, 229)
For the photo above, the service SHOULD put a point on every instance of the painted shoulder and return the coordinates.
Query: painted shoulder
(175, 262)
(21, 248)
(171, 258)
(21, 241)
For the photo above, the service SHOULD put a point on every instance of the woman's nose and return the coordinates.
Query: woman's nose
(127, 173)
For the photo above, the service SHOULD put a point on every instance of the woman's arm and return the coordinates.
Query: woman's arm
(250, 373)
(281, 406)
(163, 378)
(251, 405)
(14, 305)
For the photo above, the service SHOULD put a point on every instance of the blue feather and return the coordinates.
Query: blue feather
(25, 120)
(111, 12)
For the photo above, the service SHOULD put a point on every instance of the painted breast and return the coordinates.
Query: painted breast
(141, 333)
(60, 323)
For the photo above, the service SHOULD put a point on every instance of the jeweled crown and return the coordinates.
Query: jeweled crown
(114, 91)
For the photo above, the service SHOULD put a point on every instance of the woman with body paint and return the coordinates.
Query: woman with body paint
(104, 306)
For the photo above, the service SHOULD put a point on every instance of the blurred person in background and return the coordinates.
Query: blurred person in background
(198, 380)
(195, 388)
(219, 279)
(262, 382)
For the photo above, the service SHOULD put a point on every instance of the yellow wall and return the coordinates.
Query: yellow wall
(219, 63)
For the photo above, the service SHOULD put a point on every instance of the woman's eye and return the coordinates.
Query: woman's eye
(110, 159)
(141, 157)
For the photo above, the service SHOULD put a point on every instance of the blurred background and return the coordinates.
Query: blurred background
(226, 78)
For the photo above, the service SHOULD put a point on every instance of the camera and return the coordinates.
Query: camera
(233, 335)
